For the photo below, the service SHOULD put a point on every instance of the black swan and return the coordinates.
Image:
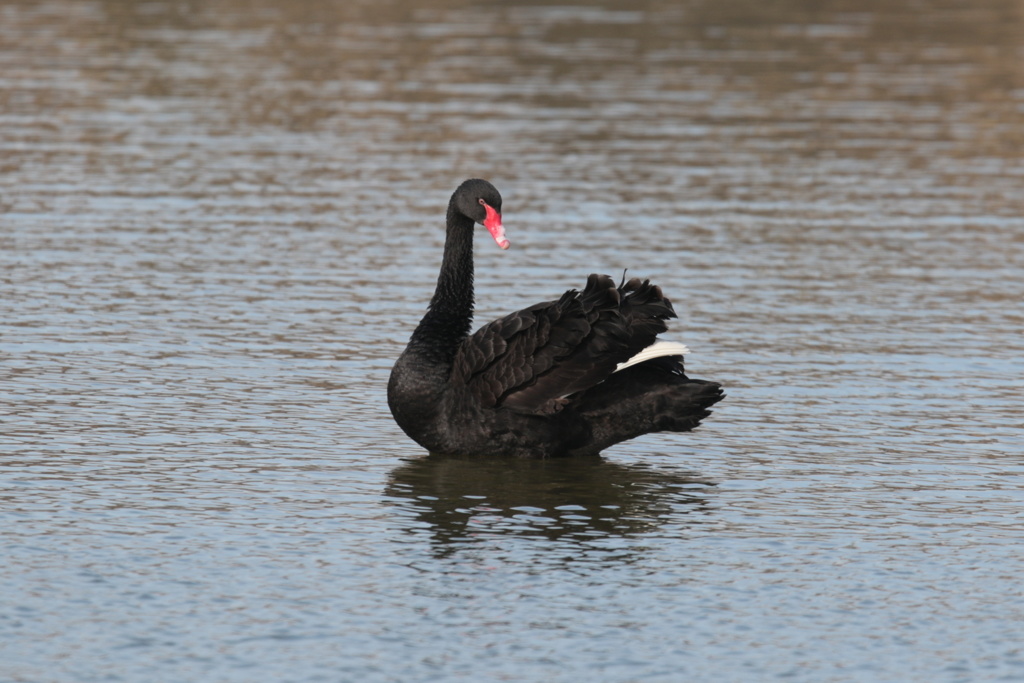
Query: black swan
(566, 377)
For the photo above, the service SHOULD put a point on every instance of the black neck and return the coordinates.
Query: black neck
(450, 315)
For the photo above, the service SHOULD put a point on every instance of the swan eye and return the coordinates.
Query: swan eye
(482, 202)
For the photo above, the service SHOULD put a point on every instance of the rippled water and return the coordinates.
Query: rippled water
(220, 222)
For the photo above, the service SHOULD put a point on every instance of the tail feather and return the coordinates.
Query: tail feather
(656, 350)
(645, 398)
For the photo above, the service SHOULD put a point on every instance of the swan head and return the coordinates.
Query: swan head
(480, 201)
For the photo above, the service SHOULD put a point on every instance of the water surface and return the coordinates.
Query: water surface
(220, 222)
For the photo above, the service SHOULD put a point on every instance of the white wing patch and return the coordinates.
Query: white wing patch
(655, 350)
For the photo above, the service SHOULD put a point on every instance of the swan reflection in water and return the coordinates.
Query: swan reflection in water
(465, 500)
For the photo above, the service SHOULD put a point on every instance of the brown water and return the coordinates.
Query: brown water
(220, 222)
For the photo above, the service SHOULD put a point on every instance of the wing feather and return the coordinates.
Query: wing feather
(529, 361)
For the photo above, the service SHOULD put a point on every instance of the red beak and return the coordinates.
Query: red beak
(493, 224)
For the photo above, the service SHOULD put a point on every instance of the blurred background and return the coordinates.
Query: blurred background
(220, 222)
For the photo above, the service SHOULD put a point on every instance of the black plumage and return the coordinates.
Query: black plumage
(542, 381)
